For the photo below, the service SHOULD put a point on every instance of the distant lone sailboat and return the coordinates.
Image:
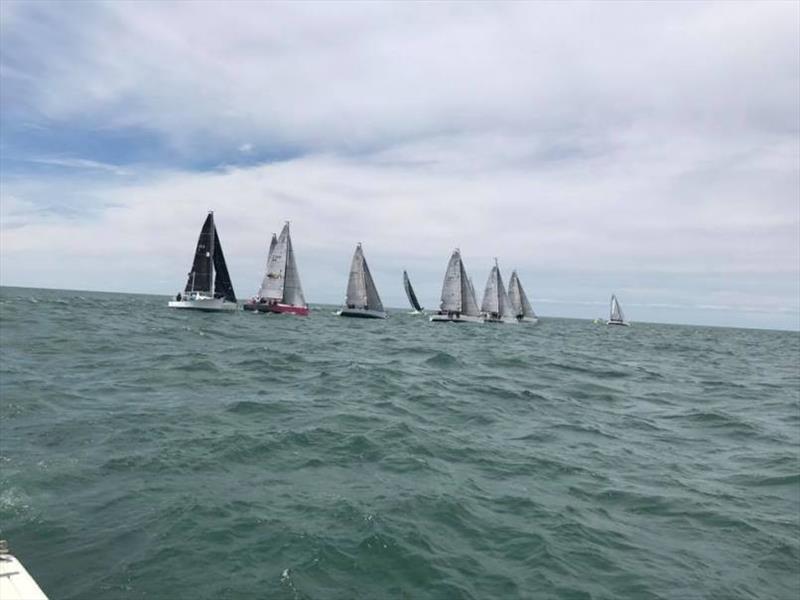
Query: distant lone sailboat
(281, 291)
(412, 297)
(496, 307)
(616, 317)
(522, 308)
(209, 285)
(458, 297)
(362, 296)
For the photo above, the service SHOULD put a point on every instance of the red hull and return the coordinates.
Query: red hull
(277, 308)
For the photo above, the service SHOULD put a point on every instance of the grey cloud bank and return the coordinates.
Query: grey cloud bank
(650, 149)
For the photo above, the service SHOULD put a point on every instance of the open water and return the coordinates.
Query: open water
(148, 454)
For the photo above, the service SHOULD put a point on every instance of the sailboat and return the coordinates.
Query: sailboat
(281, 291)
(496, 307)
(209, 285)
(458, 297)
(616, 317)
(523, 310)
(362, 296)
(412, 297)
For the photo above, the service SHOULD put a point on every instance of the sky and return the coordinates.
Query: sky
(646, 149)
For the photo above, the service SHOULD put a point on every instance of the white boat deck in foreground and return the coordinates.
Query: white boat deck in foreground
(15, 582)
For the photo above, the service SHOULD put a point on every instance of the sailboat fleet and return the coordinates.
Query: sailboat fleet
(209, 288)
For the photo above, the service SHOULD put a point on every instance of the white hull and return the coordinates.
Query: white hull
(454, 319)
(417, 312)
(361, 313)
(207, 304)
(529, 320)
(15, 582)
(488, 319)
(623, 323)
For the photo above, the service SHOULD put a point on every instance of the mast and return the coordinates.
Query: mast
(211, 269)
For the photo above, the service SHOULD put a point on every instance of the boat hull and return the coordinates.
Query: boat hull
(361, 313)
(15, 581)
(620, 323)
(529, 320)
(488, 319)
(287, 309)
(205, 304)
(454, 319)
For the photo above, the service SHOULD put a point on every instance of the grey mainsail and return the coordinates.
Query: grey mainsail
(292, 290)
(519, 300)
(356, 286)
(361, 290)
(276, 269)
(262, 293)
(373, 299)
(282, 281)
(452, 285)
(491, 300)
(412, 297)
(469, 304)
(202, 274)
(616, 311)
(495, 299)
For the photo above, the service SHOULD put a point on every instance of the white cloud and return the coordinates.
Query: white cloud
(564, 138)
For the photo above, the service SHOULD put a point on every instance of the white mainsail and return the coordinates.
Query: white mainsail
(616, 311)
(262, 293)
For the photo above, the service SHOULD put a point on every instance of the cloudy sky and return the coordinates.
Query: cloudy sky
(652, 149)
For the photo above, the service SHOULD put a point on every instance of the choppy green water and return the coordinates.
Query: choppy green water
(149, 453)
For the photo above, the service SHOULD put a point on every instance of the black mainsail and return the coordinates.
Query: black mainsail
(412, 297)
(223, 287)
(209, 272)
(202, 273)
